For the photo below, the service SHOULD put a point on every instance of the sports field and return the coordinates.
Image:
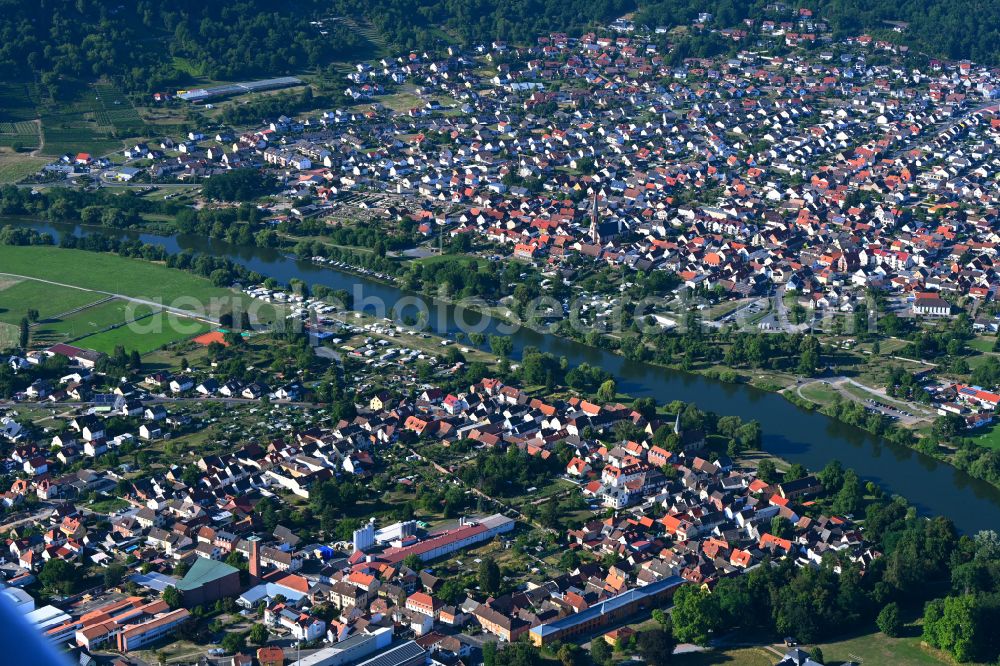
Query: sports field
(149, 335)
(89, 321)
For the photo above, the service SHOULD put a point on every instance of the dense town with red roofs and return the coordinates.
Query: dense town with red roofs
(369, 493)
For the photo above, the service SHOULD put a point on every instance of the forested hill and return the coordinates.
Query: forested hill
(149, 45)
(954, 29)
(422, 23)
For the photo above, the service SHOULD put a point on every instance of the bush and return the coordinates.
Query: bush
(234, 642)
(888, 620)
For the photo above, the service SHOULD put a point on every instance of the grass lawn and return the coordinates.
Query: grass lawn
(877, 648)
(89, 321)
(9, 336)
(760, 376)
(734, 657)
(106, 272)
(162, 332)
(887, 346)
(725, 307)
(15, 166)
(559, 488)
(401, 102)
(179, 193)
(988, 437)
(18, 296)
(169, 359)
(819, 392)
(984, 343)
(108, 505)
(977, 360)
(174, 651)
(463, 259)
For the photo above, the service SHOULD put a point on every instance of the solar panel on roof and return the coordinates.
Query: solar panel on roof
(394, 656)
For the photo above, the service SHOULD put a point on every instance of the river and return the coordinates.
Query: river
(793, 433)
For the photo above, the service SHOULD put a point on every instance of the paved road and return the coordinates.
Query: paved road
(782, 310)
(33, 518)
(68, 182)
(166, 399)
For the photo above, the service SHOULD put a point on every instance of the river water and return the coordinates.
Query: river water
(790, 432)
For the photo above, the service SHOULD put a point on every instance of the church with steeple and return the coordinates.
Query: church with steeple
(595, 232)
(601, 233)
(691, 440)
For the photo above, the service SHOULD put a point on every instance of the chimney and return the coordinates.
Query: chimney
(254, 559)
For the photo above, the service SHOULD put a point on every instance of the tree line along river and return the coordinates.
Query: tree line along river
(790, 432)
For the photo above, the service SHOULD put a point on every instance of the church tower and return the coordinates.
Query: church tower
(595, 233)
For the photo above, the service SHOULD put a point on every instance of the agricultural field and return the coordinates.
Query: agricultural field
(19, 135)
(116, 111)
(19, 296)
(109, 273)
(19, 132)
(16, 103)
(89, 318)
(97, 119)
(72, 132)
(18, 117)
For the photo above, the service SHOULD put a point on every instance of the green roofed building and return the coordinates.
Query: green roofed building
(207, 581)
